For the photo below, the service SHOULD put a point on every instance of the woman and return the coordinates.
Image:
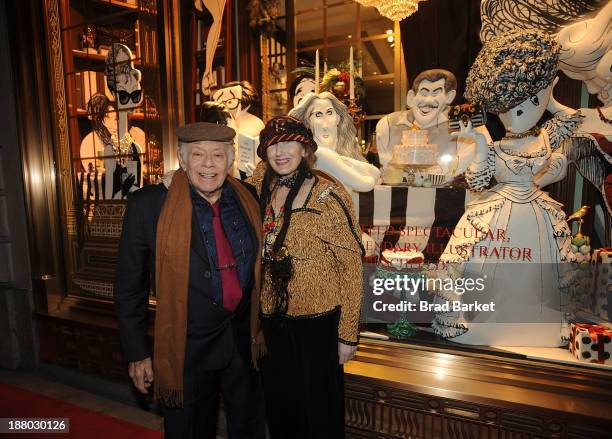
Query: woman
(311, 293)
(514, 234)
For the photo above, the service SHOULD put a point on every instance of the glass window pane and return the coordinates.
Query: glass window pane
(305, 5)
(372, 23)
(379, 96)
(339, 55)
(378, 57)
(278, 103)
(114, 126)
(309, 29)
(341, 23)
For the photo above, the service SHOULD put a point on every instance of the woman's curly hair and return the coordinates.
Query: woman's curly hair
(511, 68)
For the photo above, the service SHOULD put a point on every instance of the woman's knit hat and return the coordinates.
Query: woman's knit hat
(284, 129)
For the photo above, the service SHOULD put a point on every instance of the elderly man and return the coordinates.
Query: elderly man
(196, 244)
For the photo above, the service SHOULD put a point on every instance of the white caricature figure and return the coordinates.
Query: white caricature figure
(428, 102)
(123, 155)
(586, 56)
(103, 115)
(338, 153)
(238, 98)
(514, 234)
(300, 87)
(215, 7)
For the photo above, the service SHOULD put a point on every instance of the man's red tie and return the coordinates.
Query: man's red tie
(232, 292)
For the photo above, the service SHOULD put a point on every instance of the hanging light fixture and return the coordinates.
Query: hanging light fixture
(395, 10)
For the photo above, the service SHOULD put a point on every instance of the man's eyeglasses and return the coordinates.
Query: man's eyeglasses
(124, 96)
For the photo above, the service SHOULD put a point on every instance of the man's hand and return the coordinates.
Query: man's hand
(346, 352)
(141, 373)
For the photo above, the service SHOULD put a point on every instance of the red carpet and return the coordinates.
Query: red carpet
(20, 403)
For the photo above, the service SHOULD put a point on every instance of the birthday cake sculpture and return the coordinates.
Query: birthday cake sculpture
(415, 150)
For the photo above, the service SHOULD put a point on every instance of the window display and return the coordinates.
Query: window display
(446, 186)
(111, 124)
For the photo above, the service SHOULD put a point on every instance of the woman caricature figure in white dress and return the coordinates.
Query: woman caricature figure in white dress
(513, 236)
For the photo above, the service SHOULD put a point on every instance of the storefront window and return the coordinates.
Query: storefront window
(111, 71)
(333, 27)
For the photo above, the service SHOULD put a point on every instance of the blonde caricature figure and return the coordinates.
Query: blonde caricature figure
(338, 153)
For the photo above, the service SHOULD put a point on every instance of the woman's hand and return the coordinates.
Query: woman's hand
(346, 352)
(467, 132)
(258, 348)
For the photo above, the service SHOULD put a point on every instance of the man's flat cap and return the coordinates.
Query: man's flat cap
(196, 132)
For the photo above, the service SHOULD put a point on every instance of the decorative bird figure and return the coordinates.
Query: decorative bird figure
(579, 215)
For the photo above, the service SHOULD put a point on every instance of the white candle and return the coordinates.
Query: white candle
(324, 67)
(317, 72)
(351, 76)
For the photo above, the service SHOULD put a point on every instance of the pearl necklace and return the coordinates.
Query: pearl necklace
(535, 131)
(122, 147)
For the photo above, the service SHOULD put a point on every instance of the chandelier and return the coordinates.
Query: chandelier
(395, 10)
